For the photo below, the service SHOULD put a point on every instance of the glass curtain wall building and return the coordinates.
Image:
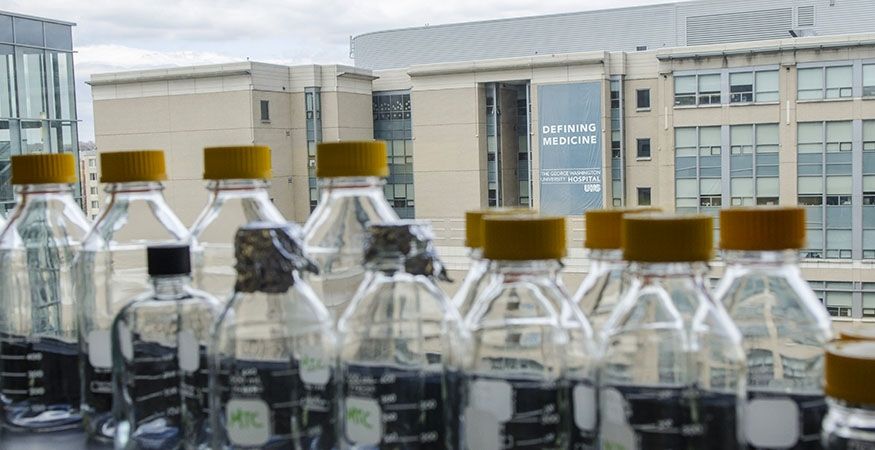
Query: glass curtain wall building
(37, 92)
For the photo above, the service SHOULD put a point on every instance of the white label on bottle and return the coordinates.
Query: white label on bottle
(189, 351)
(772, 422)
(616, 433)
(248, 422)
(494, 396)
(584, 407)
(364, 421)
(482, 430)
(126, 344)
(99, 349)
(314, 366)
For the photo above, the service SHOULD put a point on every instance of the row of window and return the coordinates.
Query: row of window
(36, 83)
(743, 87)
(393, 124)
(24, 31)
(814, 82)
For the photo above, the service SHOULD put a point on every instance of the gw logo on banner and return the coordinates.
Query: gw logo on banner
(569, 135)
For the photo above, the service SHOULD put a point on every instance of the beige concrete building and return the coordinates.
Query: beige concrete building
(89, 182)
(689, 128)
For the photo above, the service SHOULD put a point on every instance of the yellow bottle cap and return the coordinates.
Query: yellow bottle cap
(603, 227)
(858, 333)
(132, 166)
(351, 159)
(249, 162)
(45, 168)
(762, 228)
(654, 237)
(474, 222)
(849, 371)
(523, 238)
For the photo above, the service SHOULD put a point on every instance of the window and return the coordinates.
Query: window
(643, 148)
(643, 98)
(8, 105)
(838, 82)
(265, 111)
(868, 80)
(701, 89)
(817, 83)
(644, 196)
(95, 204)
(824, 186)
(640, 48)
(617, 142)
(685, 90)
(93, 191)
(93, 177)
(869, 190)
(741, 87)
(90, 163)
(28, 31)
(31, 83)
(697, 169)
(392, 123)
(709, 89)
(58, 36)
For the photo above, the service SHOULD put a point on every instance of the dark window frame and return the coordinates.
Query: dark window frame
(640, 144)
(638, 103)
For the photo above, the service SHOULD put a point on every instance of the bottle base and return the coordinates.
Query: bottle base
(23, 419)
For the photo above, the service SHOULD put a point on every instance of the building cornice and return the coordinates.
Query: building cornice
(517, 63)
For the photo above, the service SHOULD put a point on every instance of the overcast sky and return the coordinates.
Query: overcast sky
(116, 35)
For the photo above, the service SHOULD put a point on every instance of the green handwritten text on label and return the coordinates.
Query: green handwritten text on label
(243, 419)
(359, 417)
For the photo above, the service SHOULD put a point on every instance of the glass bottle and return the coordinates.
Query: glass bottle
(40, 378)
(159, 354)
(273, 354)
(672, 369)
(112, 267)
(783, 325)
(400, 339)
(350, 176)
(477, 277)
(238, 185)
(528, 382)
(605, 282)
(850, 423)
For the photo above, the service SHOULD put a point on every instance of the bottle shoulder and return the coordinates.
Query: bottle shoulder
(58, 219)
(400, 298)
(341, 222)
(135, 224)
(221, 218)
(779, 296)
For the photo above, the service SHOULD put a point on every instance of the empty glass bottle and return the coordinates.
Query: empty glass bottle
(783, 325)
(476, 279)
(238, 184)
(527, 382)
(159, 353)
(112, 267)
(400, 339)
(672, 369)
(273, 354)
(38, 332)
(850, 423)
(605, 282)
(350, 176)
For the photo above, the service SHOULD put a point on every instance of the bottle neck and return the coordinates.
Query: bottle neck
(848, 408)
(134, 188)
(475, 254)
(516, 270)
(761, 258)
(239, 186)
(29, 192)
(334, 189)
(170, 287)
(649, 270)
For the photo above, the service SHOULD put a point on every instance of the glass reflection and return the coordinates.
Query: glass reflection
(31, 83)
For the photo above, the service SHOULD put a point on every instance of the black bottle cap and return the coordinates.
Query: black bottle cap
(169, 259)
